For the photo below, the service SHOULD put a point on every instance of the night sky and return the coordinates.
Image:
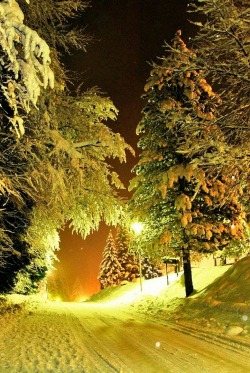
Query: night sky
(128, 35)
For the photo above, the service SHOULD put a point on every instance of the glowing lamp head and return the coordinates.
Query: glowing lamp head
(137, 227)
(45, 295)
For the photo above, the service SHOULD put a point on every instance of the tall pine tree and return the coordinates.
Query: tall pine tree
(223, 54)
(183, 206)
(110, 269)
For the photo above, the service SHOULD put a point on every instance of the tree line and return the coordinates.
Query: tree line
(120, 264)
(191, 183)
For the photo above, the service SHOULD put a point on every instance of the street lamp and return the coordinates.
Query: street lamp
(137, 227)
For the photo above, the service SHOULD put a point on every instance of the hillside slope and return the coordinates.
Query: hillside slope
(220, 303)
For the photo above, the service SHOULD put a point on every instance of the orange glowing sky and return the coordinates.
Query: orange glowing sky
(128, 35)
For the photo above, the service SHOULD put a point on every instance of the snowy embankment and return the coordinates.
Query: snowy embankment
(220, 305)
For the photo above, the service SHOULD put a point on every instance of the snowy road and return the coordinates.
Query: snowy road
(91, 338)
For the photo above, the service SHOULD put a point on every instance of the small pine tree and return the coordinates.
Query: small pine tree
(110, 270)
(130, 267)
(149, 270)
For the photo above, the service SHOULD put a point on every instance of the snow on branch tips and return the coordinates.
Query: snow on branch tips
(24, 60)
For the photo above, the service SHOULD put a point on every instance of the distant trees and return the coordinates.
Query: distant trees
(55, 146)
(120, 263)
(127, 259)
(110, 269)
(58, 287)
(77, 291)
(183, 204)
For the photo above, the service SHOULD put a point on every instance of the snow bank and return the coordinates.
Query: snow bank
(131, 292)
(220, 303)
(234, 285)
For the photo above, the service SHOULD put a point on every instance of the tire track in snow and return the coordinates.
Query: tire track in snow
(104, 359)
(87, 338)
(176, 352)
(136, 344)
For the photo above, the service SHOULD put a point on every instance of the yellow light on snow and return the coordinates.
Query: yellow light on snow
(130, 293)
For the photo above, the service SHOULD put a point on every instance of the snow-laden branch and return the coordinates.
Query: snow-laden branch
(24, 60)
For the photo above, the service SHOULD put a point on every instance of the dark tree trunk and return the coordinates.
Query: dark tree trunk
(187, 272)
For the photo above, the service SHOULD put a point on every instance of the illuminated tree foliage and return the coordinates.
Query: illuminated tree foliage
(223, 46)
(58, 287)
(183, 206)
(24, 65)
(129, 264)
(54, 164)
(110, 273)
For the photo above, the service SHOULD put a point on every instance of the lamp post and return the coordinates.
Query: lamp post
(137, 228)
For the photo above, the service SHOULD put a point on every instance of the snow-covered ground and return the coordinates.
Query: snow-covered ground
(125, 330)
(220, 303)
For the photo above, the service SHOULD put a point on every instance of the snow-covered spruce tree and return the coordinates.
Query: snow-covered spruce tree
(129, 264)
(55, 20)
(110, 273)
(58, 170)
(183, 206)
(24, 65)
(223, 53)
(150, 270)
